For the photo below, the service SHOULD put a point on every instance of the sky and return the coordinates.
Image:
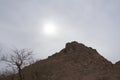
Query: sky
(95, 23)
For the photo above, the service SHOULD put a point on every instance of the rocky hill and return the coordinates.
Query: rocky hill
(75, 62)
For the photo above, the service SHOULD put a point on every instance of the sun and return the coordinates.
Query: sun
(50, 29)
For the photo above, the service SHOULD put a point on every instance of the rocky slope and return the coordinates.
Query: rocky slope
(75, 62)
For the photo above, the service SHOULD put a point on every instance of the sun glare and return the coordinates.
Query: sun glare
(50, 29)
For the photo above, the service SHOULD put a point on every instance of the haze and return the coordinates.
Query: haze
(95, 23)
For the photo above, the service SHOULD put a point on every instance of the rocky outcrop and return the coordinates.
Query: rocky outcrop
(75, 62)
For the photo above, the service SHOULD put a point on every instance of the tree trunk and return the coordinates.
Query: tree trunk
(20, 73)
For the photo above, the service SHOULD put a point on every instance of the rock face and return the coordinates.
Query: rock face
(75, 62)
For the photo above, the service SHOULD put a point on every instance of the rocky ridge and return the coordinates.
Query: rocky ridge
(75, 62)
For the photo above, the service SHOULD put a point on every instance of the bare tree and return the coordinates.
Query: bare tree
(19, 59)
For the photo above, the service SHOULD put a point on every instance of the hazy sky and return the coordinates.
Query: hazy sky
(95, 23)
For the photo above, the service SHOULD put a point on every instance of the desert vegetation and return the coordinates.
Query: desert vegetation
(17, 61)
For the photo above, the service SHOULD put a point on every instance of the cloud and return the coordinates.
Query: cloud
(95, 23)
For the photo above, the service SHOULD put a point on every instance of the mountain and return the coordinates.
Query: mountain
(75, 62)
